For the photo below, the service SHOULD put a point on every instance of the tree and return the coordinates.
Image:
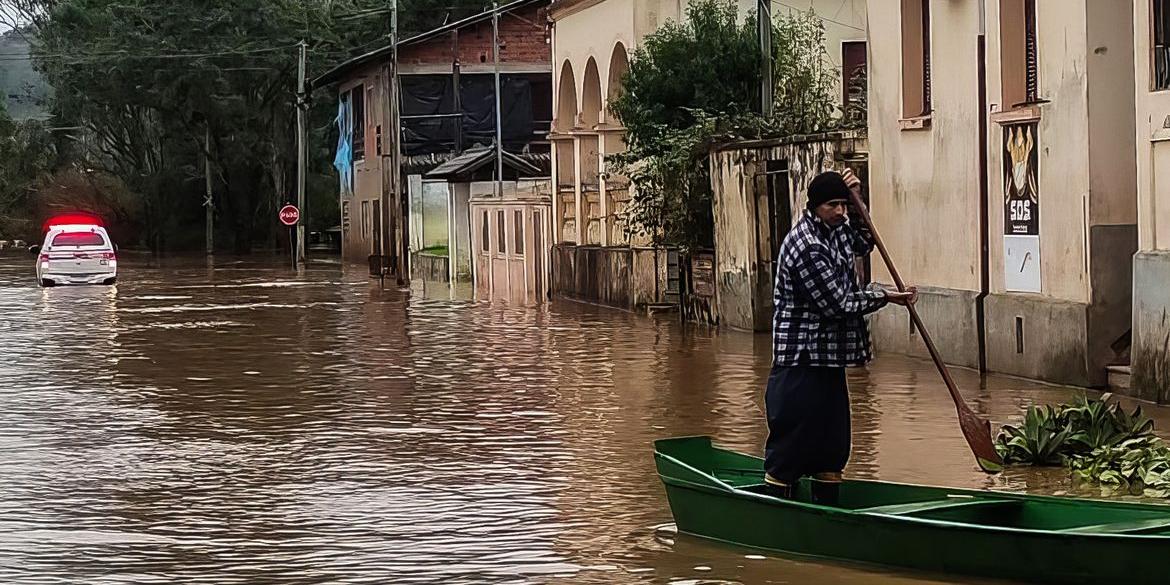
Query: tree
(27, 156)
(149, 80)
(696, 83)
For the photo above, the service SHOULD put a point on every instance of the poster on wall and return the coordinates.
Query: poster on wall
(1021, 218)
(1021, 256)
(1021, 195)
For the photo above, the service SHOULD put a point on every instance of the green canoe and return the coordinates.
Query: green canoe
(1041, 539)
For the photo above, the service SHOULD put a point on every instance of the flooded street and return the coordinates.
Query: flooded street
(250, 425)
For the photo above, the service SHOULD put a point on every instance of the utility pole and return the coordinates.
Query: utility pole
(208, 202)
(393, 235)
(302, 140)
(400, 248)
(455, 65)
(499, 129)
(764, 16)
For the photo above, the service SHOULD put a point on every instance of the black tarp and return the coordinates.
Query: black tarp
(432, 94)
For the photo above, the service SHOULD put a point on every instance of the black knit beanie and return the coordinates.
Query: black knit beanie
(828, 186)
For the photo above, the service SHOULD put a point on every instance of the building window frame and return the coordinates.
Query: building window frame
(358, 116)
(518, 232)
(486, 236)
(854, 68)
(501, 233)
(1159, 45)
(1019, 54)
(365, 220)
(916, 67)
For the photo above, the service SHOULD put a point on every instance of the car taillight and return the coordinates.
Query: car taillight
(44, 257)
(109, 256)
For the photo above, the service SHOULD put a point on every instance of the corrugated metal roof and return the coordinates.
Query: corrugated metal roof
(421, 164)
(477, 158)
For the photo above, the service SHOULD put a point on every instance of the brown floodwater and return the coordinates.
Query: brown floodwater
(247, 424)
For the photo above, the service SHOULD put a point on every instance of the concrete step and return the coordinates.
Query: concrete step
(1118, 377)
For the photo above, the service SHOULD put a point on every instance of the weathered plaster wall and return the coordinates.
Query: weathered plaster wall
(949, 316)
(1064, 164)
(924, 183)
(1150, 354)
(1151, 326)
(925, 186)
(742, 238)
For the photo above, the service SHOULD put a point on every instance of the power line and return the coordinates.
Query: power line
(27, 57)
(82, 57)
(837, 22)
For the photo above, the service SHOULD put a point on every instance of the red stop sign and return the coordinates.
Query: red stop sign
(290, 215)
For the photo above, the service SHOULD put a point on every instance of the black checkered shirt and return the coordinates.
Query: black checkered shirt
(820, 308)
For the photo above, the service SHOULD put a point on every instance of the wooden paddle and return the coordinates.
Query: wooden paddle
(976, 429)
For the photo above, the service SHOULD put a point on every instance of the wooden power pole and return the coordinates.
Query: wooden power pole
(302, 145)
(208, 201)
(499, 129)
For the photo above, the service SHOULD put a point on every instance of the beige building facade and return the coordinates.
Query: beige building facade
(593, 44)
(1151, 265)
(1001, 182)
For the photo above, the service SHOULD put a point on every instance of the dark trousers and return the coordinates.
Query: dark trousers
(808, 422)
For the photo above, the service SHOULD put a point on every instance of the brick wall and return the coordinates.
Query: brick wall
(520, 42)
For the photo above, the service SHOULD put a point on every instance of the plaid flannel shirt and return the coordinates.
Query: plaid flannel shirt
(819, 318)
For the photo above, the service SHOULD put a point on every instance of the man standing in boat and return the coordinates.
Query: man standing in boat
(818, 330)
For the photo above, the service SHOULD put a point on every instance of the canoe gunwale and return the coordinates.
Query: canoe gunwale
(719, 487)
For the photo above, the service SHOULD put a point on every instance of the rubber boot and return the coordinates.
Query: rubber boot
(777, 488)
(825, 489)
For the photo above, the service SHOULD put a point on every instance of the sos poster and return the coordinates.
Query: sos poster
(1021, 196)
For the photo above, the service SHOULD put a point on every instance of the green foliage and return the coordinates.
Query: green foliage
(672, 202)
(1052, 435)
(146, 81)
(27, 156)
(805, 101)
(1043, 439)
(1137, 466)
(1098, 440)
(1100, 424)
(696, 83)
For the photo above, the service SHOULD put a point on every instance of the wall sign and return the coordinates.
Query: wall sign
(703, 275)
(1021, 209)
(1020, 185)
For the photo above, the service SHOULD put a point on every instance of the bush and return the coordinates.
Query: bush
(696, 83)
(1097, 440)
(1051, 435)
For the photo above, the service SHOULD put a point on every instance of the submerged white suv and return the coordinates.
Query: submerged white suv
(77, 254)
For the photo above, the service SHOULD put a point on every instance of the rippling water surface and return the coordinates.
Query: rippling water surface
(245, 424)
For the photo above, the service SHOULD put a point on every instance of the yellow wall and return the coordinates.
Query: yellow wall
(1152, 140)
(1063, 150)
(924, 183)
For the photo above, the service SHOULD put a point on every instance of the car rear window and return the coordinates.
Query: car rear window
(79, 239)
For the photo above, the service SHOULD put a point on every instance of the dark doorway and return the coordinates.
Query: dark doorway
(773, 213)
